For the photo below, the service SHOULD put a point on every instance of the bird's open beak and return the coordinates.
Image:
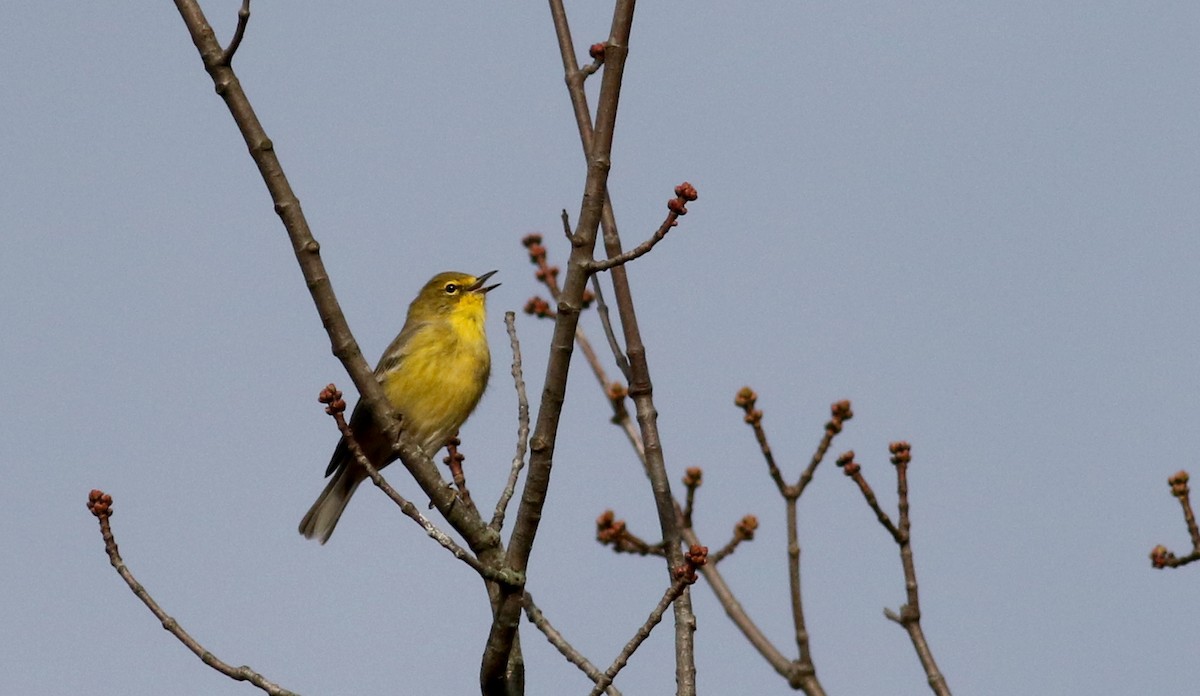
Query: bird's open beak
(478, 287)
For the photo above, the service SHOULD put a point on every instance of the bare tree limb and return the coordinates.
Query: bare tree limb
(238, 33)
(100, 503)
(684, 576)
(676, 207)
(746, 399)
(605, 321)
(1160, 557)
(538, 619)
(518, 461)
(909, 617)
(788, 669)
(742, 531)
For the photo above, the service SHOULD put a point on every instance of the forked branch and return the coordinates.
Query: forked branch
(909, 616)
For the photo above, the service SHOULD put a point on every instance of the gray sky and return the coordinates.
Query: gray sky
(976, 221)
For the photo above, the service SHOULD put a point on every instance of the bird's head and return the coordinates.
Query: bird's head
(451, 293)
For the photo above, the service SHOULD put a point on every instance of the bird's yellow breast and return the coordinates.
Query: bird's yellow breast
(442, 376)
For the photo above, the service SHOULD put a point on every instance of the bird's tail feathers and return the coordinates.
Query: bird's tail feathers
(323, 516)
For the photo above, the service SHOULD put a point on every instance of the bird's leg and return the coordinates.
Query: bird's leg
(454, 460)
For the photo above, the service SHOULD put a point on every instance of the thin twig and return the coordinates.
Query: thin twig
(1160, 557)
(796, 677)
(745, 400)
(615, 533)
(742, 531)
(518, 461)
(693, 478)
(100, 503)
(566, 224)
(909, 616)
(799, 627)
(840, 412)
(238, 33)
(685, 576)
(910, 613)
(803, 675)
(676, 207)
(852, 469)
(602, 309)
(538, 619)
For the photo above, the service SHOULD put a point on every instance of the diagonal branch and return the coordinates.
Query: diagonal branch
(262, 150)
(676, 207)
(606, 322)
(100, 503)
(538, 619)
(685, 576)
(909, 617)
(238, 34)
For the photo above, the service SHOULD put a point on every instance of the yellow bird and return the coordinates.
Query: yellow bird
(433, 373)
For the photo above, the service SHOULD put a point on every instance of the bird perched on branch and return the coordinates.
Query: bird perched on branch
(433, 373)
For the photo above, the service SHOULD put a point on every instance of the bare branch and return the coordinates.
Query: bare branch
(615, 533)
(742, 531)
(566, 224)
(685, 576)
(602, 309)
(236, 41)
(840, 412)
(100, 503)
(797, 676)
(564, 648)
(693, 477)
(518, 461)
(909, 616)
(746, 399)
(853, 469)
(1160, 557)
(676, 207)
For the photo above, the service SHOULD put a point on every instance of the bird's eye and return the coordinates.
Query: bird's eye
(451, 288)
